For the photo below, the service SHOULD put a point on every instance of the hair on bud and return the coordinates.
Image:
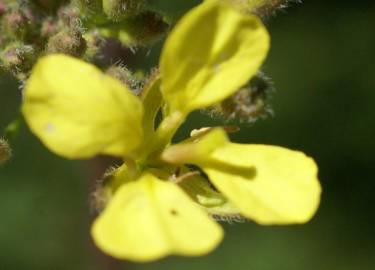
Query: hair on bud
(262, 8)
(48, 28)
(117, 10)
(248, 104)
(103, 191)
(94, 42)
(68, 42)
(69, 16)
(229, 218)
(270, 7)
(18, 22)
(17, 59)
(121, 73)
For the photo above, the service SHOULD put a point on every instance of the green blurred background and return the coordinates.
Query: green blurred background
(322, 63)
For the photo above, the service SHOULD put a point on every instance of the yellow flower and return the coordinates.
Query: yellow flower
(156, 205)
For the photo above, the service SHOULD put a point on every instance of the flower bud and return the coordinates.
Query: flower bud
(15, 23)
(49, 28)
(70, 17)
(67, 42)
(95, 42)
(249, 103)
(120, 9)
(143, 29)
(20, 22)
(124, 75)
(5, 151)
(17, 58)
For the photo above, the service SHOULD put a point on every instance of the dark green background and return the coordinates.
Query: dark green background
(322, 64)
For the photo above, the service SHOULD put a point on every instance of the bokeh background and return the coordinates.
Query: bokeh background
(322, 63)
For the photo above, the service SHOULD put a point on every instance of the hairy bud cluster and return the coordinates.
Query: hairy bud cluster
(248, 104)
(120, 9)
(17, 58)
(124, 75)
(18, 21)
(133, 24)
(27, 27)
(33, 28)
(68, 42)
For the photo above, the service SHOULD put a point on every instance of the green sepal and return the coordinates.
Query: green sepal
(142, 29)
(206, 196)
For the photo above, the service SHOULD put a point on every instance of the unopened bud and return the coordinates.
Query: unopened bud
(144, 29)
(70, 17)
(95, 42)
(67, 42)
(5, 151)
(20, 22)
(120, 9)
(249, 103)
(17, 58)
(124, 75)
(49, 28)
(15, 23)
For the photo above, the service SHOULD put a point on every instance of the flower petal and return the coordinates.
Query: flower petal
(282, 189)
(211, 53)
(197, 149)
(269, 184)
(149, 219)
(78, 112)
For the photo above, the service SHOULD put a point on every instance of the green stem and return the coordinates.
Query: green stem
(163, 135)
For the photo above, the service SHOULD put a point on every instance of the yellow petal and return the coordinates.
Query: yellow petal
(282, 189)
(212, 52)
(269, 184)
(197, 149)
(149, 219)
(78, 112)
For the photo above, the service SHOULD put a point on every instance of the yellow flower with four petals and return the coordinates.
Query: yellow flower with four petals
(157, 205)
